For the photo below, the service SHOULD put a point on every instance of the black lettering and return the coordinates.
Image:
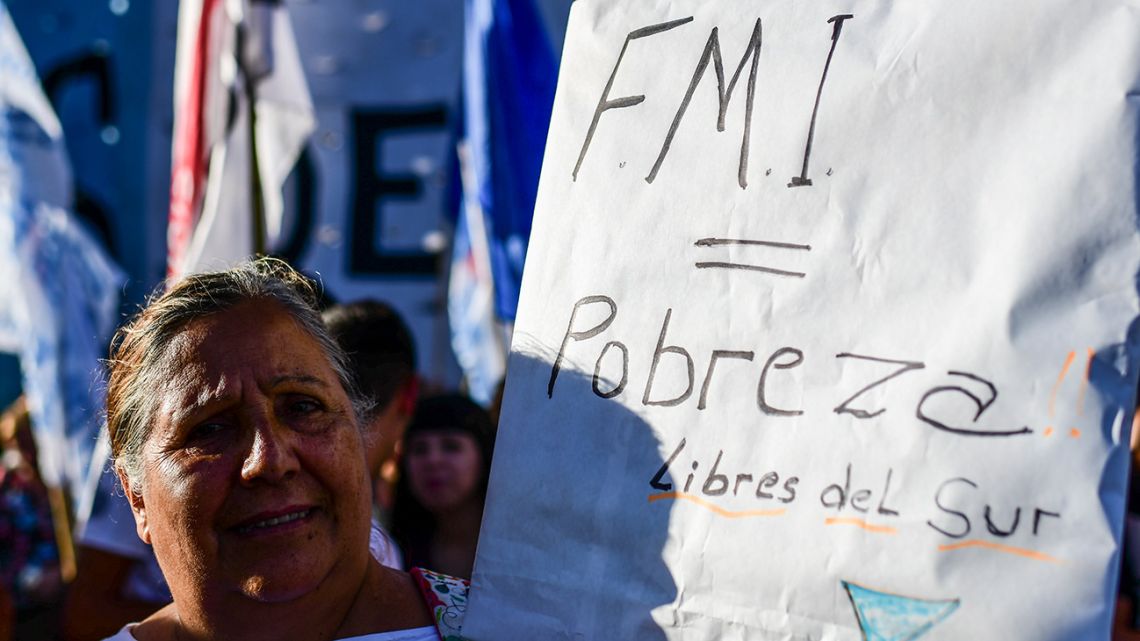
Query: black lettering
(993, 529)
(656, 483)
(604, 103)
(671, 349)
(790, 488)
(883, 499)
(859, 500)
(93, 65)
(305, 175)
(740, 478)
(582, 335)
(837, 21)
(836, 488)
(712, 50)
(716, 355)
(907, 366)
(95, 213)
(624, 370)
(1038, 513)
(768, 480)
(980, 405)
(938, 502)
(713, 478)
(372, 187)
(797, 359)
(689, 481)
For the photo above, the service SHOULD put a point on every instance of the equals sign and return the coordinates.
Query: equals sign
(717, 242)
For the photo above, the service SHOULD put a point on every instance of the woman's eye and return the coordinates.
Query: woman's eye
(304, 406)
(205, 431)
(453, 444)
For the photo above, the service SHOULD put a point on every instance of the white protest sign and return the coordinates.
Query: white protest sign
(824, 332)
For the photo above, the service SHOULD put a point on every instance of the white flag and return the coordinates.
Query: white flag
(228, 51)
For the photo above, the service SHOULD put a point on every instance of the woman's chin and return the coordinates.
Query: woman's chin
(275, 589)
(289, 579)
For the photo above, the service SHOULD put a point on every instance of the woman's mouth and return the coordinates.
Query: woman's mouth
(275, 521)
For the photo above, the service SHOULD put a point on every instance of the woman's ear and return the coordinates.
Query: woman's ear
(138, 506)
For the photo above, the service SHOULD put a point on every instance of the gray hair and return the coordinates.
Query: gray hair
(138, 368)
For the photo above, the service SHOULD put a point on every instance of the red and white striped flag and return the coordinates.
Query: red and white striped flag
(237, 69)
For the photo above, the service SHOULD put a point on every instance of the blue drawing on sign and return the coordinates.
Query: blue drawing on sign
(890, 617)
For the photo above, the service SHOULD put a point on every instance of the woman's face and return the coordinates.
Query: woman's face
(254, 481)
(445, 469)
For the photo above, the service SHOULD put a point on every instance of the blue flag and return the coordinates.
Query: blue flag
(509, 77)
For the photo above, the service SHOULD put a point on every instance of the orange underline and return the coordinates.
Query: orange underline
(881, 529)
(715, 508)
(1008, 549)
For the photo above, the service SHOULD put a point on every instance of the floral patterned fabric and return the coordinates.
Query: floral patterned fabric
(29, 560)
(446, 597)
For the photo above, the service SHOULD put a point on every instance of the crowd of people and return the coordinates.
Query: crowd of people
(273, 467)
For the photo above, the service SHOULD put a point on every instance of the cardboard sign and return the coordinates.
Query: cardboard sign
(824, 332)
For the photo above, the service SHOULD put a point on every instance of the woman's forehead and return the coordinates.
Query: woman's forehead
(441, 432)
(259, 340)
(253, 326)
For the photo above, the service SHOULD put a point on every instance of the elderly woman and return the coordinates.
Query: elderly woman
(235, 430)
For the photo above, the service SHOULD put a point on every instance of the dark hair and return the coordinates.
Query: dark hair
(412, 525)
(139, 352)
(455, 412)
(379, 346)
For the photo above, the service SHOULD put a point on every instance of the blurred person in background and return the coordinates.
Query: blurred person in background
(444, 467)
(382, 359)
(7, 617)
(29, 558)
(1126, 625)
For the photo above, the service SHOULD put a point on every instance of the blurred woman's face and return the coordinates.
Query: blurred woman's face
(445, 469)
(254, 481)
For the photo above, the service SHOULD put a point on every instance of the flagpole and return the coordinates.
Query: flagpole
(257, 201)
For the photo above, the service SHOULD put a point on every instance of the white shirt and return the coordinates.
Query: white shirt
(383, 548)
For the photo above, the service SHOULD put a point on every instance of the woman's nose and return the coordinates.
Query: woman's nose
(436, 455)
(271, 456)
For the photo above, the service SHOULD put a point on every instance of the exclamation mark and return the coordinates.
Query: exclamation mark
(1084, 383)
(1056, 387)
(1069, 358)
(1074, 432)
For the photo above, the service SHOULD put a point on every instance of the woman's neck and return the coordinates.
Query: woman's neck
(460, 524)
(454, 541)
(317, 615)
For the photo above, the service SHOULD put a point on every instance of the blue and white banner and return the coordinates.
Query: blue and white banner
(476, 336)
(60, 290)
